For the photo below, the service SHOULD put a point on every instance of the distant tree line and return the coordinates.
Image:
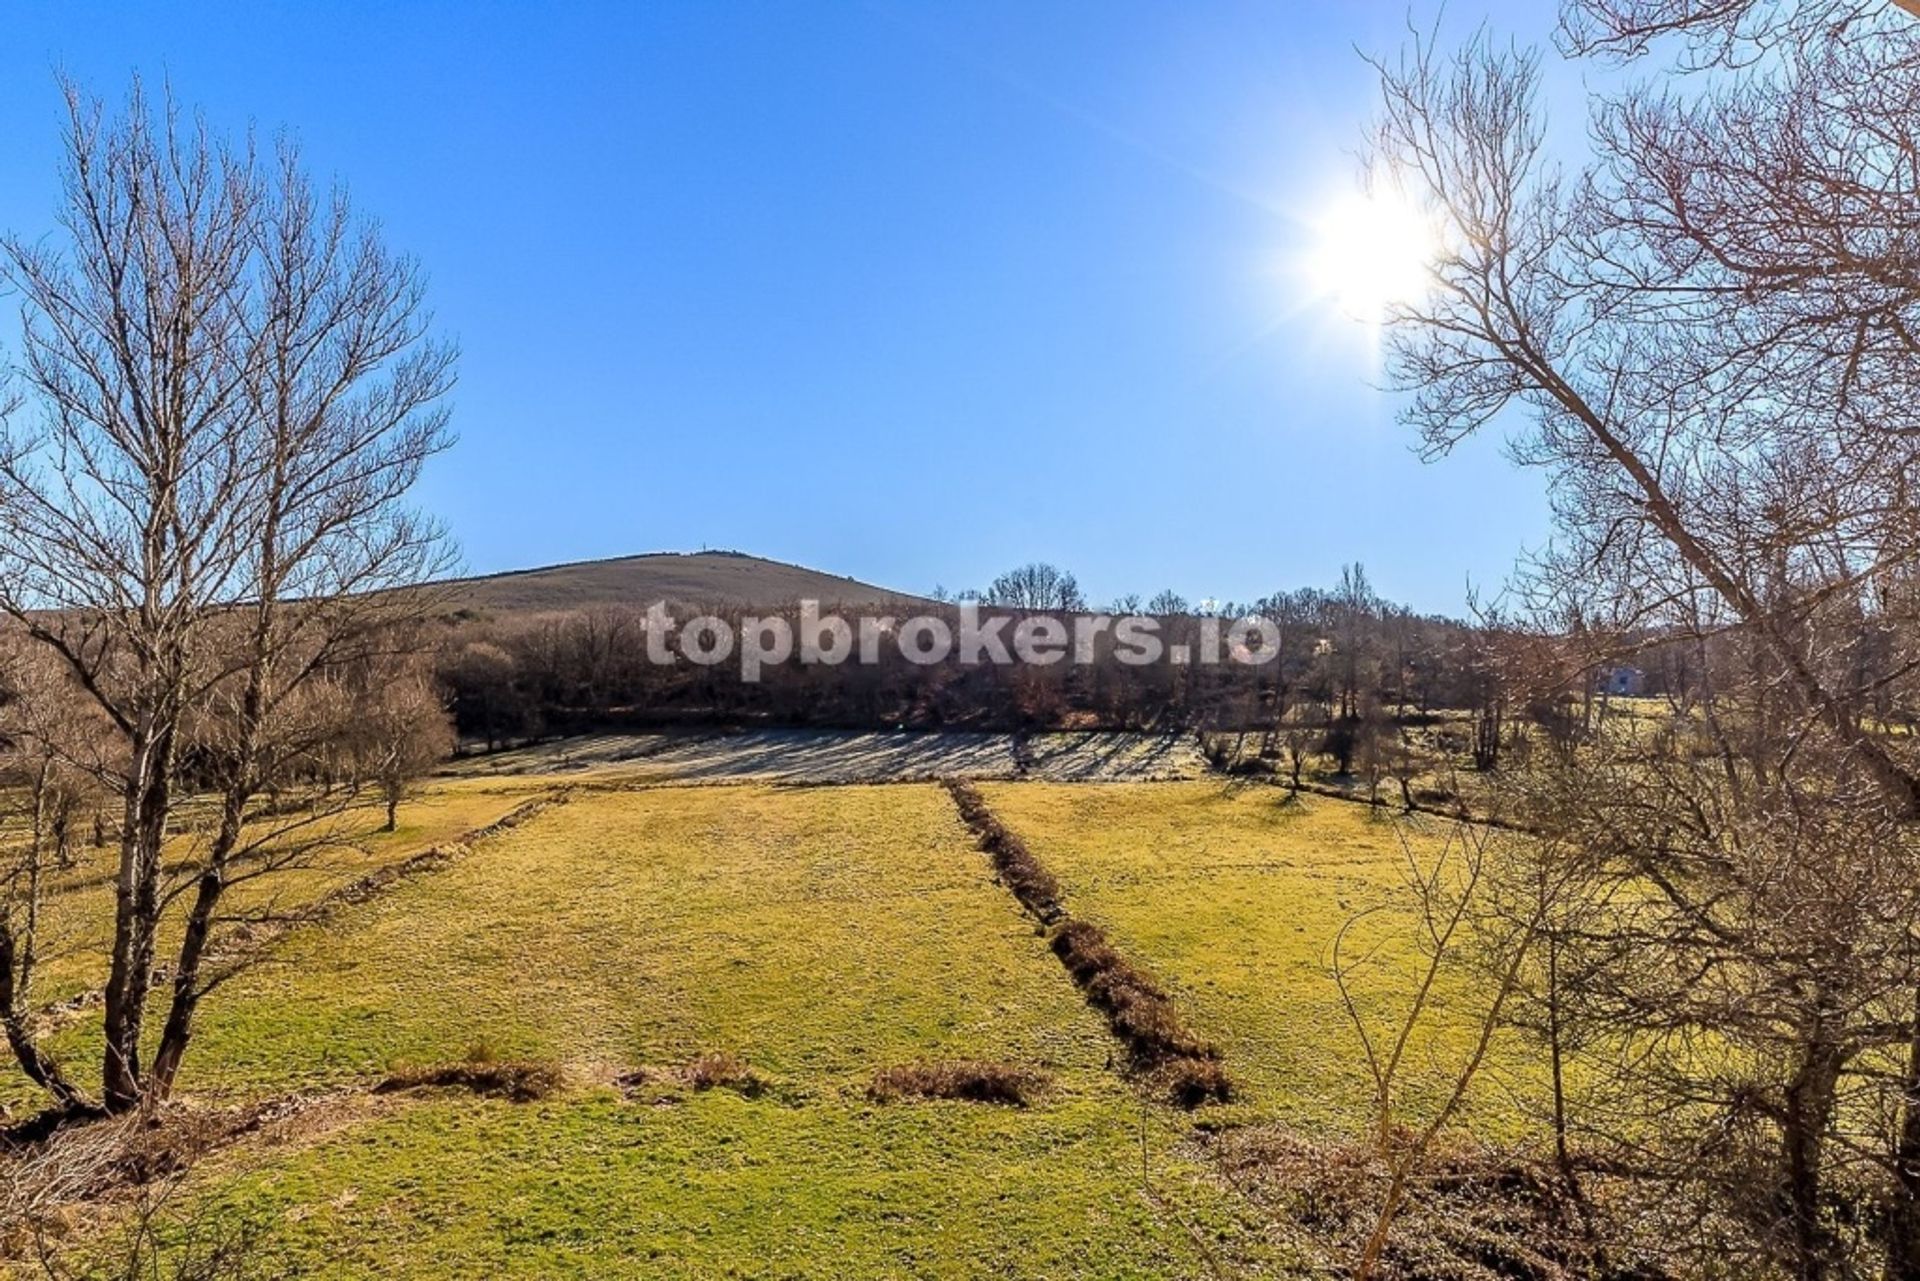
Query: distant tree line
(1343, 653)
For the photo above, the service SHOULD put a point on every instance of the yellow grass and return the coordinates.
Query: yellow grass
(817, 935)
(1234, 899)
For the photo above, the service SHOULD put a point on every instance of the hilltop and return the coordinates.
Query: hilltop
(697, 578)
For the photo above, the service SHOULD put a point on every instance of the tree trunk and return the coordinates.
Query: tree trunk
(1809, 1112)
(186, 982)
(240, 788)
(1903, 1215)
(1562, 1157)
(136, 914)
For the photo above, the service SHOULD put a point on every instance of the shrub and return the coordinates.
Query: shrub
(722, 1071)
(1024, 874)
(713, 1070)
(1142, 1014)
(1188, 1082)
(970, 1080)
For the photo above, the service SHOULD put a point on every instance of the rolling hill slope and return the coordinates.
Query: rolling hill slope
(694, 578)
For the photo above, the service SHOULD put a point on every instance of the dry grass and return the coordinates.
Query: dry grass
(970, 1080)
(91, 1160)
(517, 1080)
(1472, 1212)
(722, 1071)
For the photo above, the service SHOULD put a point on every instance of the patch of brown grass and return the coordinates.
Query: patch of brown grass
(713, 1070)
(722, 1071)
(518, 1081)
(89, 1160)
(1141, 1011)
(1471, 1212)
(967, 1079)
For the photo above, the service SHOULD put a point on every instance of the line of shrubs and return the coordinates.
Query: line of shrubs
(1181, 1064)
(1024, 874)
(1177, 1062)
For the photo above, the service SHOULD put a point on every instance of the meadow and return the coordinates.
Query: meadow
(637, 931)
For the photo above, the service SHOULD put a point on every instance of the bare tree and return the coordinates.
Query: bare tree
(1037, 586)
(234, 392)
(48, 747)
(342, 409)
(403, 729)
(1448, 895)
(1710, 323)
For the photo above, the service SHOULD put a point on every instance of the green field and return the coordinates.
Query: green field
(1235, 898)
(816, 935)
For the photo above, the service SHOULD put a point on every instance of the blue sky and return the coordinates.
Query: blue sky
(910, 292)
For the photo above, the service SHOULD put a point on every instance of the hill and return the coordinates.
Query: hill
(695, 578)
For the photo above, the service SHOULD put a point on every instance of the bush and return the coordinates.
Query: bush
(1189, 1082)
(1142, 1014)
(975, 1082)
(722, 1071)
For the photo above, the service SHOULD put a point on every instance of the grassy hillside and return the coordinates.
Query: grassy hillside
(721, 578)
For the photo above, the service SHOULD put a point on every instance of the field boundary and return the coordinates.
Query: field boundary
(1165, 1055)
(246, 945)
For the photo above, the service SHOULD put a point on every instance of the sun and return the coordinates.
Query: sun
(1371, 253)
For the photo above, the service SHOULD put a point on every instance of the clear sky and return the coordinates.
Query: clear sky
(910, 292)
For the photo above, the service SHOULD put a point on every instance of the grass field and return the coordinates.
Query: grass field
(816, 935)
(79, 914)
(1235, 898)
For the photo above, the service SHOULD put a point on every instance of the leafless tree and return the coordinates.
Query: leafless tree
(402, 729)
(1709, 322)
(49, 749)
(1037, 586)
(204, 517)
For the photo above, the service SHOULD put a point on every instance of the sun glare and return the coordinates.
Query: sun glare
(1372, 252)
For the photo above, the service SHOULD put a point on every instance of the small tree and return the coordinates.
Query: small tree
(406, 732)
(1448, 894)
(48, 752)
